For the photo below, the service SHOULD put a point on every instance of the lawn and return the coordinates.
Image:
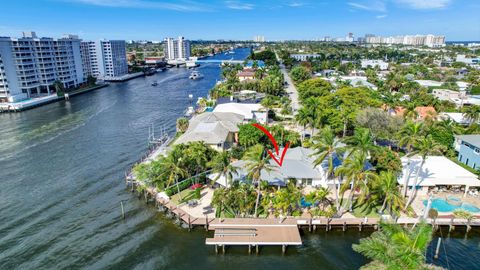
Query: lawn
(364, 210)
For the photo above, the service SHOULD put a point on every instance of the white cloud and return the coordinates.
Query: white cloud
(179, 6)
(381, 16)
(375, 5)
(425, 4)
(238, 5)
(295, 4)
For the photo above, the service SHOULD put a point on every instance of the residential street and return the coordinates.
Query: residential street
(291, 90)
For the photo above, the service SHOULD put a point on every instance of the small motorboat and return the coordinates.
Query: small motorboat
(154, 83)
(195, 75)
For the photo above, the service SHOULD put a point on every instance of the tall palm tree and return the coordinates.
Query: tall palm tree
(313, 104)
(409, 136)
(326, 146)
(256, 162)
(356, 176)
(268, 103)
(198, 151)
(303, 118)
(361, 141)
(222, 165)
(424, 147)
(386, 187)
(472, 114)
(172, 170)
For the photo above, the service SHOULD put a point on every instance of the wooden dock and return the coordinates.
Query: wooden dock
(252, 232)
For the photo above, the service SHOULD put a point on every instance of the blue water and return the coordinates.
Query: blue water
(209, 109)
(441, 205)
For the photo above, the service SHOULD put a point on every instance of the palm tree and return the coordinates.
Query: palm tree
(256, 162)
(313, 104)
(303, 118)
(395, 247)
(198, 151)
(361, 141)
(356, 176)
(386, 187)
(472, 114)
(327, 146)
(424, 147)
(172, 170)
(410, 135)
(268, 103)
(221, 164)
(182, 124)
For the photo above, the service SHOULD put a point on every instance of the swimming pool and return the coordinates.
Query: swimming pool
(304, 203)
(441, 205)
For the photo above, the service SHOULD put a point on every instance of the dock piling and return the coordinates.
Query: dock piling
(123, 210)
(437, 250)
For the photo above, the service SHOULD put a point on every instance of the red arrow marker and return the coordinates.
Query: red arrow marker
(279, 162)
(275, 145)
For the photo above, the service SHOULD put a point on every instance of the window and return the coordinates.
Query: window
(466, 162)
(460, 158)
(477, 151)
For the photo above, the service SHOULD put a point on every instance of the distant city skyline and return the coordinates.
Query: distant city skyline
(154, 20)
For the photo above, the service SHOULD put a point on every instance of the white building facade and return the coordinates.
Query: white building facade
(29, 66)
(104, 59)
(177, 49)
(380, 64)
(416, 40)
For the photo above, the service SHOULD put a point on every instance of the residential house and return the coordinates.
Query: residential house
(436, 171)
(216, 129)
(380, 64)
(245, 75)
(458, 118)
(468, 147)
(298, 164)
(250, 111)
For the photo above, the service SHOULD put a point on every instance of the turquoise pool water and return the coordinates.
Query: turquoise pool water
(443, 206)
(304, 203)
(209, 109)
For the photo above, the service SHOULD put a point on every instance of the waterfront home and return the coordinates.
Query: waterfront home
(298, 164)
(245, 75)
(429, 83)
(250, 111)
(437, 171)
(243, 96)
(219, 130)
(468, 147)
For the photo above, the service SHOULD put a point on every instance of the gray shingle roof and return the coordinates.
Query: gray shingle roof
(211, 127)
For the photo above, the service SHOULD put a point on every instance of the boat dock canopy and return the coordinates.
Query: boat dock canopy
(263, 232)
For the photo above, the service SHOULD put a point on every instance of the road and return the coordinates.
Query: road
(291, 90)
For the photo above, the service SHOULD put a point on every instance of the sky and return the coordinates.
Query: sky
(458, 20)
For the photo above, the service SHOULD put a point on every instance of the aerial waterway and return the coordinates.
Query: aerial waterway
(62, 180)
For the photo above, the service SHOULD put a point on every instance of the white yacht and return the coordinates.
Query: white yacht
(195, 75)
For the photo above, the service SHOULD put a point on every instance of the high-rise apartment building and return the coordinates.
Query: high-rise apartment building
(417, 40)
(104, 59)
(259, 38)
(177, 49)
(29, 66)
